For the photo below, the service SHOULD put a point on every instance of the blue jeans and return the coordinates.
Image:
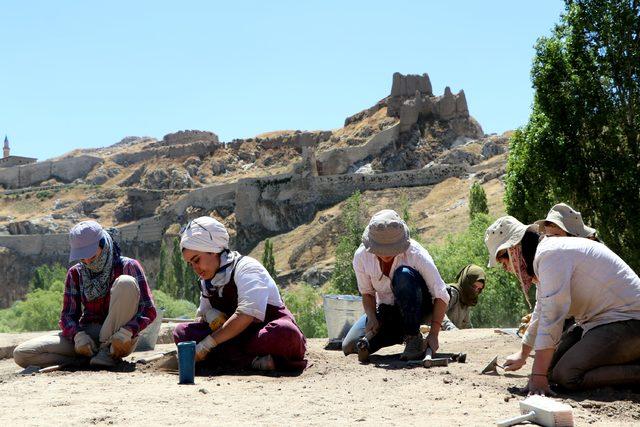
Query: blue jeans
(412, 305)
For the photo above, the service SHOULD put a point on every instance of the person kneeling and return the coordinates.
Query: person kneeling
(107, 302)
(257, 330)
(401, 288)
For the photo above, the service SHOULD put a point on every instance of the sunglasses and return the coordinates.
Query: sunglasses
(193, 222)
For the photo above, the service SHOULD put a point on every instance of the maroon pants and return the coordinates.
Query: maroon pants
(278, 336)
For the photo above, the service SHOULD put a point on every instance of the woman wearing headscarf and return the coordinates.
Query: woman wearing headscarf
(107, 303)
(464, 295)
(257, 330)
(401, 288)
(574, 277)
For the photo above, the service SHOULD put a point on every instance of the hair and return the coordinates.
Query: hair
(529, 244)
(102, 243)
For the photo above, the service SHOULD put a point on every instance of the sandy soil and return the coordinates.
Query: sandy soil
(333, 390)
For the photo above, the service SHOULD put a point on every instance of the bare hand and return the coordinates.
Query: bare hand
(515, 361)
(539, 384)
(432, 342)
(372, 327)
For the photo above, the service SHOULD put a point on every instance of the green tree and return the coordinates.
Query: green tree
(166, 281)
(268, 259)
(187, 283)
(501, 303)
(353, 219)
(477, 200)
(582, 142)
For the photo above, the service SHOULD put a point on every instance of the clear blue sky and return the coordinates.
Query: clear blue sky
(87, 74)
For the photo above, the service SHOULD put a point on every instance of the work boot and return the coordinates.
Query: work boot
(363, 350)
(103, 359)
(263, 363)
(414, 348)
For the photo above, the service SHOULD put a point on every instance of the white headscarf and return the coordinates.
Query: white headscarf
(205, 234)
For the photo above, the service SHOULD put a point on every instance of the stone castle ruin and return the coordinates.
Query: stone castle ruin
(403, 147)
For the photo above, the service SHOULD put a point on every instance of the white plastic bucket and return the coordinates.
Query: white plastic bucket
(149, 335)
(341, 312)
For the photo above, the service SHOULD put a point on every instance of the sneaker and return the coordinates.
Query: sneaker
(263, 363)
(363, 350)
(414, 348)
(103, 359)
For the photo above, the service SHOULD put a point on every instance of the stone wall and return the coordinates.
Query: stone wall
(189, 137)
(65, 170)
(338, 160)
(200, 149)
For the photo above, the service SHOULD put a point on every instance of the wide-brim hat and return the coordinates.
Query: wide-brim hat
(386, 234)
(504, 233)
(568, 219)
(84, 239)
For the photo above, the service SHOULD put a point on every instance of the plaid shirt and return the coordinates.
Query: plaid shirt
(77, 312)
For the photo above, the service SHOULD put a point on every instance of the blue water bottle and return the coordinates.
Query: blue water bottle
(187, 361)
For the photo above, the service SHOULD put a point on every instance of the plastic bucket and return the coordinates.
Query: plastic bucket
(341, 312)
(149, 336)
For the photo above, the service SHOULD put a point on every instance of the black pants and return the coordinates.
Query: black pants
(412, 305)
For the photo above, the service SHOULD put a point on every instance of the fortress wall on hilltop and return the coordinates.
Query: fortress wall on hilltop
(65, 170)
(338, 161)
(199, 149)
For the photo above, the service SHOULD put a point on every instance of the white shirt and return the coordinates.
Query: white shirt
(256, 288)
(372, 281)
(580, 278)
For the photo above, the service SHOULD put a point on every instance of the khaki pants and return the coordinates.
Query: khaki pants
(54, 349)
(607, 355)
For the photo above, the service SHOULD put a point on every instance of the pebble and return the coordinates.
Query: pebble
(203, 391)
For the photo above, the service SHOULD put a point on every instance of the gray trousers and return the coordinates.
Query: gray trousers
(608, 355)
(54, 349)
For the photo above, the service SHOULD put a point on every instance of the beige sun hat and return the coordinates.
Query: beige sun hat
(504, 233)
(387, 234)
(569, 219)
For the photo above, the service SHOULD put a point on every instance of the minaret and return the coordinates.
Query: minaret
(5, 150)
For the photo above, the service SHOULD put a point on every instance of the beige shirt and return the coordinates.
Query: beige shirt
(580, 278)
(372, 281)
(458, 315)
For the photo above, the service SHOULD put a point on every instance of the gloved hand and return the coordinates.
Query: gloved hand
(204, 347)
(121, 342)
(84, 345)
(215, 318)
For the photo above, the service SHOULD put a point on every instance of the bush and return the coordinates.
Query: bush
(268, 260)
(40, 311)
(305, 303)
(47, 276)
(477, 200)
(501, 303)
(174, 307)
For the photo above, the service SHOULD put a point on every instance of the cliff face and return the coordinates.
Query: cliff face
(262, 186)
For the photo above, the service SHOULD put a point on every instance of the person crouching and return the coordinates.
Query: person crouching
(258, 331)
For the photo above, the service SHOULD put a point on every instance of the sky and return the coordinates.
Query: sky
(87, 74)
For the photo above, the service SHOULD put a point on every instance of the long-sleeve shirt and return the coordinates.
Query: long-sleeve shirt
(372, 281)
(78, 312)
(580, 278)
(458, 315)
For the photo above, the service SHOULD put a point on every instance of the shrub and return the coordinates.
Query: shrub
(501, 302)
(268, 260)
(174, 307)
(305, 303)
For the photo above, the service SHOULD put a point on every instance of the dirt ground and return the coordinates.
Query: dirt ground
(333, 390)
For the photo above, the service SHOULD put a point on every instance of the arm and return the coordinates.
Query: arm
(369, 305)
(71, 306)
(439, 307)
(146, 307)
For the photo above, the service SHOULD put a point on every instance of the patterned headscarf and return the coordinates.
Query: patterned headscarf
(96, 276)
(519, 268)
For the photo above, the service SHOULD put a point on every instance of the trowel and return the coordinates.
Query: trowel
(492, 366)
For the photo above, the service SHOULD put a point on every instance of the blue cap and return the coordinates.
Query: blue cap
(84, 239)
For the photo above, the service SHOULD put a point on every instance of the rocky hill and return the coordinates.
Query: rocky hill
(284, 184)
